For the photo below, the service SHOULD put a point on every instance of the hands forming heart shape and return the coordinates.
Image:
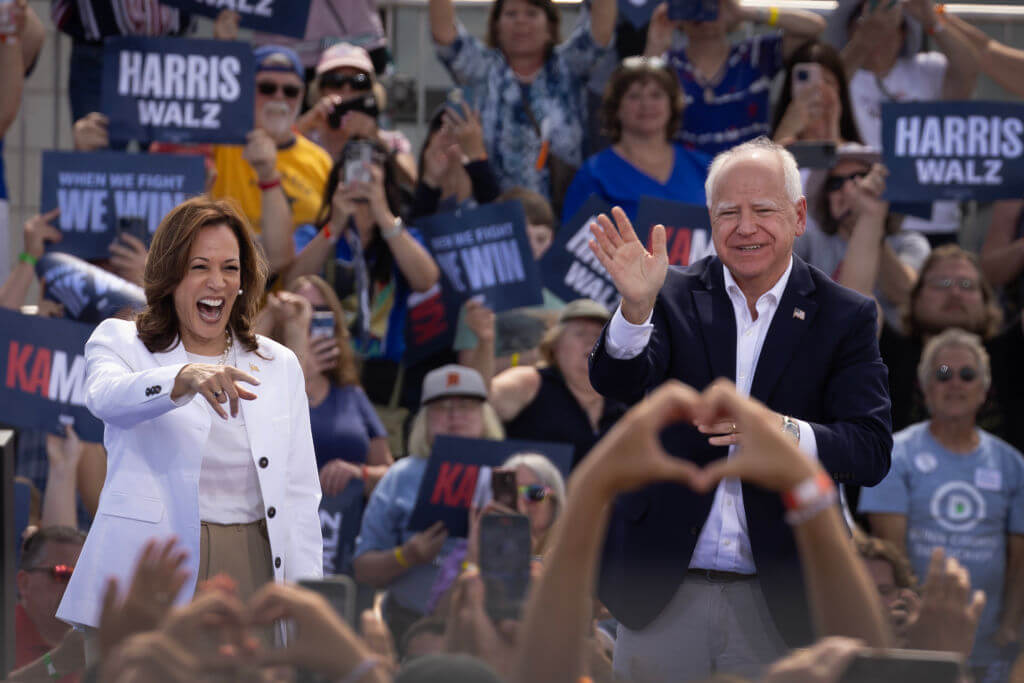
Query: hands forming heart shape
(143, 637)
(631, 455)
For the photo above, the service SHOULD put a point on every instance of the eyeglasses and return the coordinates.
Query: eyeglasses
(834, 183)
(336, 81)
(270, 88)
(964, 284)
(643, 63)
(944, 373)
(534, 493)
(58, 572)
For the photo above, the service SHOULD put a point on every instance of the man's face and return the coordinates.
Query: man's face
(41, 590)
(840, 186)
(950, 296)
(753, 222)
(277, 100)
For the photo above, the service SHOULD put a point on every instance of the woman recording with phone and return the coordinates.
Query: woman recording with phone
(350, 101)
(372, 260)
(206, 424)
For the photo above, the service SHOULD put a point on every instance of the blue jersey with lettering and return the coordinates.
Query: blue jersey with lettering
(966, 503)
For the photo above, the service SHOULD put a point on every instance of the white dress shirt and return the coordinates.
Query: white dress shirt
(724, 543)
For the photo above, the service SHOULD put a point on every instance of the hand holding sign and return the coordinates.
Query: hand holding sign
(659, 32)
(424, 546)
(225, 27)
(865, 193)
(38, 232)
(216, 383)
(63, 452)
(638, 274)
(480, 320)
(128, 258)
(90, 133)
(261, 153)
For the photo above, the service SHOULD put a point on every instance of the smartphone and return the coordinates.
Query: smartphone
(135, 226)
(340, 593)
(503, 487)
(505, 564)
(814, 154)
(806, 75)
(322, 325)
(358, 156)
(364, 104)
(904, 666)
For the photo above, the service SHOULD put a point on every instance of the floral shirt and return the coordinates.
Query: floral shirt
(556, 98)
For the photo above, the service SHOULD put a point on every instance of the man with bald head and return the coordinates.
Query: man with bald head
(706, 583)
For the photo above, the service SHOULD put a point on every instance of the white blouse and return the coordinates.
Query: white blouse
(229, 489)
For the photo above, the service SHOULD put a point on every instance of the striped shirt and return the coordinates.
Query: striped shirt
(92, 20)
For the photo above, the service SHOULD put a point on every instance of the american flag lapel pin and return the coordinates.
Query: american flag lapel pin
(799, 314)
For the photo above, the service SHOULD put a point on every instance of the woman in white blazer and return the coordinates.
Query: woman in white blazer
(191, 453)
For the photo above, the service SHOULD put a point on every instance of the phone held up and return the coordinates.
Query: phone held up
(505, 564)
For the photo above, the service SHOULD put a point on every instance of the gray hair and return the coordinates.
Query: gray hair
(960, 339)
(421, 442)
(545, 471)
(790, 170)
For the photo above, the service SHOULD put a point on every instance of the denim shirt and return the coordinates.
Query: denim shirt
(385, 523)
(556, 97)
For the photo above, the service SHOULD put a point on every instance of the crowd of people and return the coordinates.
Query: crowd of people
(786, 458)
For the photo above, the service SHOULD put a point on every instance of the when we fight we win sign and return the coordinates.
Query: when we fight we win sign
(953, 150)
(180, 91)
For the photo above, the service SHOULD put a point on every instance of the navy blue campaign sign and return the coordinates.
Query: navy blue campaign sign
(687, 228)
(637, 12)
(43, 370)
(177, 90)
(89, 293)
(693, 10)
(431, 323)
(953, 150)
(281, 17)
(485, 252)
(450, 480)
(341, 515)
(570, 270)
(99, 192)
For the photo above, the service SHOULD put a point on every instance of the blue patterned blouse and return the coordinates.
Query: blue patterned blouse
(556, 98)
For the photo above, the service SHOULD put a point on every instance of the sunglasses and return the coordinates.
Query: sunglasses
(334, 81)
(834, 183)
(269, 89)
(964, 284)
(58, 572)
(945, 373)
(534, 493)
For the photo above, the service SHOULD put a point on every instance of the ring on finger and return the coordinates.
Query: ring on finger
(733, 428)
(218, 393)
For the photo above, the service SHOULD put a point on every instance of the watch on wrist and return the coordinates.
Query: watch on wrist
(791, 428)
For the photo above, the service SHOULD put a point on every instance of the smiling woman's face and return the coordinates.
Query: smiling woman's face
(205, 296)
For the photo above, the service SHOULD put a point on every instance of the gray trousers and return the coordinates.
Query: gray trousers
(708, 627)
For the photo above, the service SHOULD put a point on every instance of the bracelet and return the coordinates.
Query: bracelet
(394, 230)
(938, 27)
(28, 258)
(328, 235)
(940, 9)
(364, 471)
(400, 556)
(773, 15)
(51, 670)
(269, 185)
(808, 498)
(361, 669)
(469, 566)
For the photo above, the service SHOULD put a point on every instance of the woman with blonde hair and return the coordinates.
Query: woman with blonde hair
(555, 401)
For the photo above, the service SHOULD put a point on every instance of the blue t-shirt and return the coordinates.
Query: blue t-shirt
(735, 107)
(965, 503)
(385, 525)
(343, 426)
(388, 301)
(622, 184)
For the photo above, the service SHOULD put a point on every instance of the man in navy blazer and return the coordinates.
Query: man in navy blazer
(705, 583)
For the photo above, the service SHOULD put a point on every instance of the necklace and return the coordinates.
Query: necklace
(227, 347)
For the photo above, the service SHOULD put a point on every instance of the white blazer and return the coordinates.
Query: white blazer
(154, 455)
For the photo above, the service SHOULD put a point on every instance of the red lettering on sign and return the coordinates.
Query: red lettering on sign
(467, 487)
(17, 360)
(455, 485)
(678, 240)
(428, 320)
(39, 380)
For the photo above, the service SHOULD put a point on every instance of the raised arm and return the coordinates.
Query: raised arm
(1002, 254)
(37, 232)
(603, 15)
(797, 26)
(962, 67)
(442, 21)
(275, 212)
(1001, 63)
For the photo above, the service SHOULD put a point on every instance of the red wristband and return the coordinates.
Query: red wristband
(365, 470)
(327, 231)
(269, 185)
(809, 491)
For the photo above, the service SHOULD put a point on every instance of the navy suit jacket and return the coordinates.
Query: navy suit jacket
(822, 367)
